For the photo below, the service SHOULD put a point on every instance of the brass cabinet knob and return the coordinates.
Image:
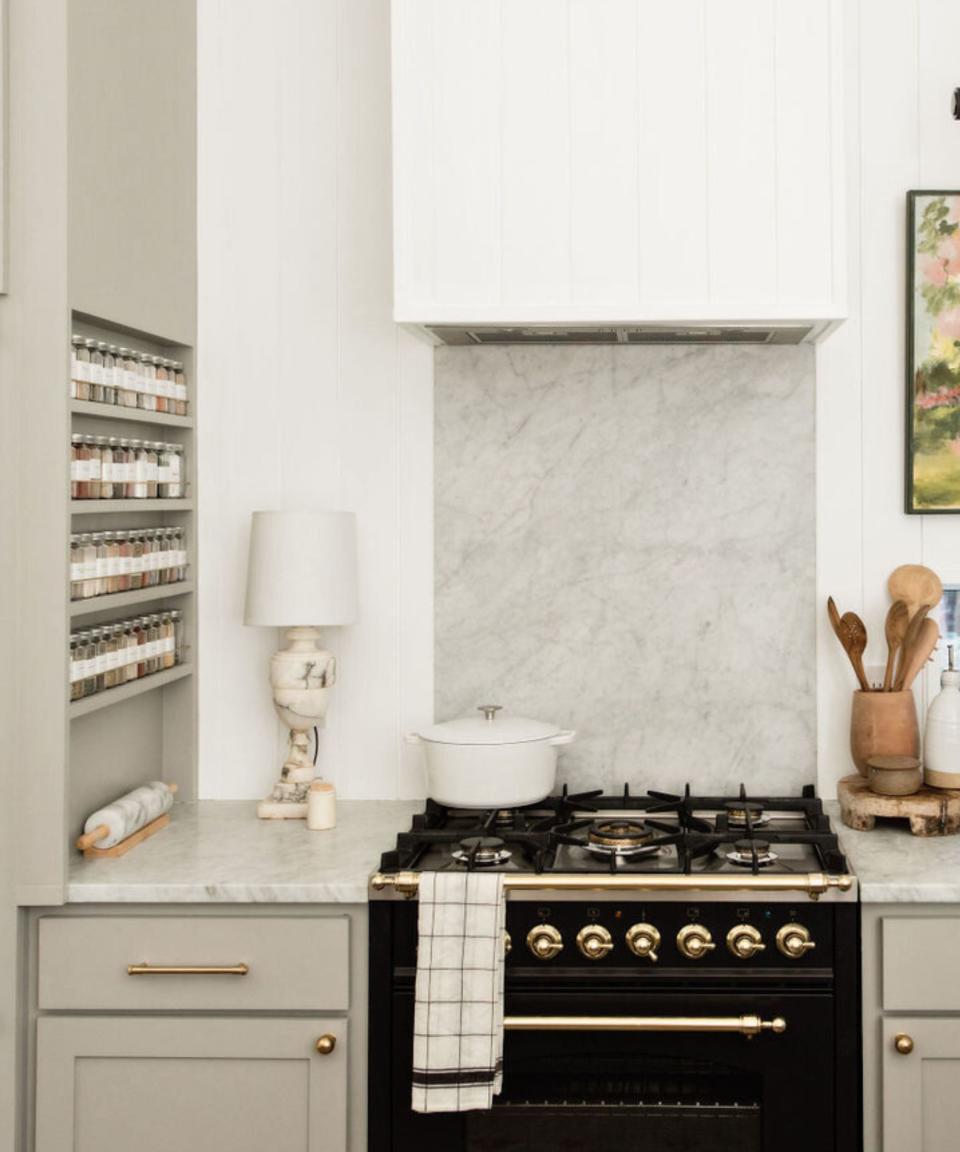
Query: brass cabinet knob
(694, 941)
(544, 941)
(594, 941)
(507, 944)
(903, 1043)
(744, 941)
(643, 940)
(794, 941)
(326, 1044)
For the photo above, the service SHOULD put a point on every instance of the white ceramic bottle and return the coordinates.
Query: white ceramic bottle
(941, 742)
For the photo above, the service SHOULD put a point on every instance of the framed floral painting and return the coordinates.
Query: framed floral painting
(933, 352)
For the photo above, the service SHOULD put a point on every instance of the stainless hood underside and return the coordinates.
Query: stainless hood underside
(478, 334)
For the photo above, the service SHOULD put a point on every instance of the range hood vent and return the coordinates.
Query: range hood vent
(472, 335)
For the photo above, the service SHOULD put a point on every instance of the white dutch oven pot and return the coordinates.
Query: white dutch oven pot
(489, 761)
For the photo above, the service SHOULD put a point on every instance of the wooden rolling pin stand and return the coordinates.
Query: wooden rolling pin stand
(86, 842)
(931, 811)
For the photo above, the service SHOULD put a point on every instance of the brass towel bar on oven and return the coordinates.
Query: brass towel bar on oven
(746, 1025)
(814, 884)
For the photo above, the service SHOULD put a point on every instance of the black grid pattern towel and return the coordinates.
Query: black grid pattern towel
(458, 1019)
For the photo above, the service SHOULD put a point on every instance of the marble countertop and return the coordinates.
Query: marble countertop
(894, 866)
(218, 851)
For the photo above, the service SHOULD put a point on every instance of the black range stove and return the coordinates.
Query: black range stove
(680, 970)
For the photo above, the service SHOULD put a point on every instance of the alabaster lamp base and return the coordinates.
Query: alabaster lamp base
(301, 676)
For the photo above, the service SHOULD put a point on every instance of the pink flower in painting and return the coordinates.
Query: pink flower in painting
(933, 270)
(948, 323)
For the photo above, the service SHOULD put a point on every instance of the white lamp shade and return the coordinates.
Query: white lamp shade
(302, 570)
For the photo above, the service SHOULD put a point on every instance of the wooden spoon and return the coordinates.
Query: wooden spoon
(853, 637)
(915, 585)
(909, 643)
(895, 627)
(921, 651)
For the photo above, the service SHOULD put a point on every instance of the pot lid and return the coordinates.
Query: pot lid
(489, 728)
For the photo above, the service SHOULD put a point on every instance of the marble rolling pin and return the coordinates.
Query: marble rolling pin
(110, 830)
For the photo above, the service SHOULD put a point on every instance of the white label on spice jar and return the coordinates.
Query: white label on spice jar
(76, 470)
(76, 671)
(96, 373)
(176, 460)
(141, 469)
(106, 471)
(83, 371)
(130, 380)
(163, 473)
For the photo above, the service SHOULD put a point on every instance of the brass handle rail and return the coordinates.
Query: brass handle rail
(814, 884)
(746, 1025)
(187, 969)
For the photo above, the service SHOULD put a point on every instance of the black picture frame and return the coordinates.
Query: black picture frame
(911, 505)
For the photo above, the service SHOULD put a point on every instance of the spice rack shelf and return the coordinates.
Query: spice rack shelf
(101, 700)
(117, 600)
(100, 507)
(129, 415)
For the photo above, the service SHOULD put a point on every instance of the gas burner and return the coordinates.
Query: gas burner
(739, 810)
(481, 851)
(750, 852)
(504, 817)
(620, 838)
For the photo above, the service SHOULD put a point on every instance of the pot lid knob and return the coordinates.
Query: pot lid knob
(489, 711)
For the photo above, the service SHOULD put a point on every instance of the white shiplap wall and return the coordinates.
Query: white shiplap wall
(900, 72)
(308, 393)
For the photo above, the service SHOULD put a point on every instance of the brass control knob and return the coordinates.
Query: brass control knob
(694, 941)
(643, 940)
(326, 1044)
(544, 941)
(744, 941)
(594, 941)
(903, 1043)
(507, 944)
(794, 941)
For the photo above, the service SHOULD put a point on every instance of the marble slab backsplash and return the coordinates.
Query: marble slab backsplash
(625, 545)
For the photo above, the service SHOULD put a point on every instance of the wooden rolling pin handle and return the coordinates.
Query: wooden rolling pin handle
(88, 839)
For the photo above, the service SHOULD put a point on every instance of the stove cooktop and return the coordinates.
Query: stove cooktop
(651, 833)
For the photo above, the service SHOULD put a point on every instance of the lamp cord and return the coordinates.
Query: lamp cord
(316, 745)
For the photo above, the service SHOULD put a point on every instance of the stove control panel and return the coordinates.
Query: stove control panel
(694, 941)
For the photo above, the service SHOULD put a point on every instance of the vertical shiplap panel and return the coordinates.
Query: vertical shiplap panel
(603, 162)
(672, 202)
(413, 45)
(535, 156)
(840, 388)
(415, 367)
(804, 152)
(366, 700)
(466, 151)
(741, 150)
(238, 382)
(888, 167)
(939, 167)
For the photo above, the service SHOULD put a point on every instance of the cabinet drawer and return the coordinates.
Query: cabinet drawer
(920, 964)
(278, 963)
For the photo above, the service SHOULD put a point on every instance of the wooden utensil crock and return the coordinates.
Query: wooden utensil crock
(883, 724)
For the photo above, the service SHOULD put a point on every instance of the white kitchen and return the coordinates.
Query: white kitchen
(480, 590)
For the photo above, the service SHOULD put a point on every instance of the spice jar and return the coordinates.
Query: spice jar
(176, 616)
(96, 371)
(79, 369)
(109, 373)
(105, 491)
(162, 382)
(180, 388)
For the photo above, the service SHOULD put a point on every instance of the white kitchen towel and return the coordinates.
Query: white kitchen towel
(458, 1017)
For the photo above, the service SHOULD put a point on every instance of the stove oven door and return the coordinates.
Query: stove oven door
(702, 1089)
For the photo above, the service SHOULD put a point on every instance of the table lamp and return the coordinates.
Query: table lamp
(302, 575)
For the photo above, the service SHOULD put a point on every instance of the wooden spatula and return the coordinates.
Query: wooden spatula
(909, 642)
(921, 651)
(895, 627)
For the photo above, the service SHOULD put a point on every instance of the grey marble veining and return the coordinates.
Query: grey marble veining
(218, 851)
(625, 545)
(895, 867)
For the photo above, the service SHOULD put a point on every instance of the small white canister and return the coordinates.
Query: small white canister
(321, 806)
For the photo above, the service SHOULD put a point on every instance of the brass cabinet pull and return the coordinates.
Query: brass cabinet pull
(187, 969)
(903, 1043)
(745, 1025)
(326, 1043)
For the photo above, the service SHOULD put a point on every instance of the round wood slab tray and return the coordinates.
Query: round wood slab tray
(931, 811)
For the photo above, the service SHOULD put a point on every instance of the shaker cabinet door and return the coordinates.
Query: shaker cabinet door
(921, 1084)
(111, 1084)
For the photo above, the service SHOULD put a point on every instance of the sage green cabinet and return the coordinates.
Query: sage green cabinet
(194, 1084)
(921, 1084)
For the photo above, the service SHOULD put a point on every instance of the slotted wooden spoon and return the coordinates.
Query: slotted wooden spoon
(852, 635)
